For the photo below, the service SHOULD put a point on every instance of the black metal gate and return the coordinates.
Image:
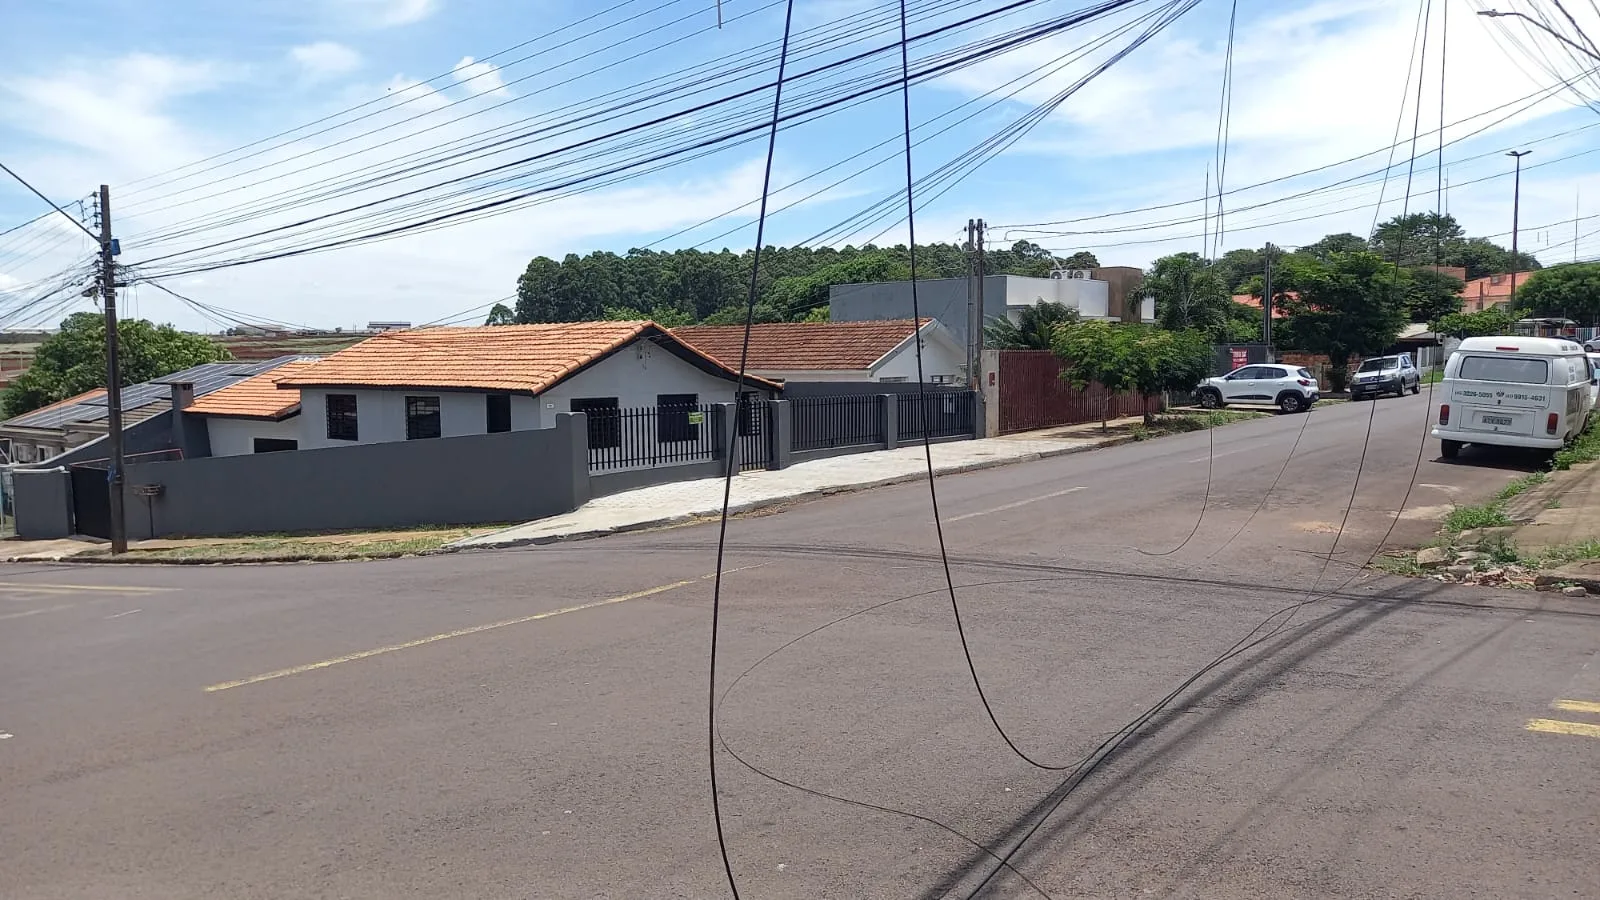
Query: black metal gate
(753, 441)
(91, 500)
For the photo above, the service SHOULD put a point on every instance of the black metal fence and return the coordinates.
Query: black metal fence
(937, 415)
(821, 423)
(650, 436)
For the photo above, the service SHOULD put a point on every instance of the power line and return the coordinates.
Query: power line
(35, 191)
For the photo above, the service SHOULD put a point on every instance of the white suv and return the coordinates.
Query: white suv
(1290, 388)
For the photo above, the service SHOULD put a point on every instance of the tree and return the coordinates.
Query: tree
(1352, 303)
(1485, 323)
(1344, 242)
(500, 314)
(1189, 293)
(1035, 328)
(73, 360)
(1481, 257)
(1083, 259)
(1569, 291)
(1236, 266)
(1164, 361)
(1097, 353)
(1431, 294)
(1416, 239)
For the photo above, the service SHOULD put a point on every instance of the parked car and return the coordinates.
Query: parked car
(1594, 379)
(1290, 388)
(1385, 375)
(1514, 392)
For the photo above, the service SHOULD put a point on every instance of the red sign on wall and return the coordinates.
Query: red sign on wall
(1241, 357)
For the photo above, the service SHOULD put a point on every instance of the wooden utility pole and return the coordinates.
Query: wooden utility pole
(1266, 305)
(108, 298)
(975, 240)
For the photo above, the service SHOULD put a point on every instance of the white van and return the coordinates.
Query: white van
(1514, 392)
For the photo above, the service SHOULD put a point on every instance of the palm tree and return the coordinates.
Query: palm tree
(1034, 329)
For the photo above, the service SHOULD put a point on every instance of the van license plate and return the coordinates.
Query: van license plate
(1497, 420)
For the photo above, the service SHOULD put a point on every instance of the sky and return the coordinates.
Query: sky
(441, 144)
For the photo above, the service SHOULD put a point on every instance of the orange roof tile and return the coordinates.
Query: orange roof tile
(519, 358)
(257, 397)
(1255, 301)
(801, 345)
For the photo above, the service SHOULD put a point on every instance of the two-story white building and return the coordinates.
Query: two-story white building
(446, 382)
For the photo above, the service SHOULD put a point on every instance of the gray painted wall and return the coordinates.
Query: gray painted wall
(43, 501)
(793, 389)
(475, 479)
(944, 299)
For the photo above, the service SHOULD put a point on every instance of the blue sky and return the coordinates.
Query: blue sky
(1315, 82)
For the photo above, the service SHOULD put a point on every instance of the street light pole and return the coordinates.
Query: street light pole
(1497, 14)
(1516, 207)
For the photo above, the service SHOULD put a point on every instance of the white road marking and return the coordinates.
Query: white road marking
(34, 612)
(985, 512)
(6, 735)
(121, 614)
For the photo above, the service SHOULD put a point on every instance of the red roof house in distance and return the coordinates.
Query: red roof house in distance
(1490, 291)
(882, 351)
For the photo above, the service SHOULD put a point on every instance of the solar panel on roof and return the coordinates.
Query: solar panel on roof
(207, 378)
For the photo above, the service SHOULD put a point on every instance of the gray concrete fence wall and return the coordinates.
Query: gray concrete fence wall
(477, 479)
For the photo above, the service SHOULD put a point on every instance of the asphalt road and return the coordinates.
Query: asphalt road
(532, 723)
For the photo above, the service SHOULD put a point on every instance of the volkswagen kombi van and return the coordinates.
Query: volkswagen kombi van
(1513, 392)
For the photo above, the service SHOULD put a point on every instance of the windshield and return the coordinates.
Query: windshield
(1378, 365)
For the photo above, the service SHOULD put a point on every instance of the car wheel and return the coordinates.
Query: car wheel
(1449, 449)
(1291, 403)
(1210, 399)
(1416, 388)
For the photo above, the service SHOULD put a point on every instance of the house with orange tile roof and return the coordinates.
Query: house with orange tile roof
(881, 351)
(1490, 291)
(447, 382)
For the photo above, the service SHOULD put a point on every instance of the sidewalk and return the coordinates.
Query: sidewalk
(1563, 511)
(683, 501)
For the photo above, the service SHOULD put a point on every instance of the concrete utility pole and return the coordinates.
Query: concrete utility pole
(1266, 304)
(108, 296)
(1516, 206)
(975, 241)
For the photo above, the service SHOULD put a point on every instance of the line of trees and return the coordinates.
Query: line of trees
(687, 286)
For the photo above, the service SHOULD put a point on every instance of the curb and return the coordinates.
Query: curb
(767, 503)
(1526, 506)
(662, 522)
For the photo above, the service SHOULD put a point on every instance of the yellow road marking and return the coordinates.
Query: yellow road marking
(1583, 706)
(72, 588)
(1556, 726)
(460, 632)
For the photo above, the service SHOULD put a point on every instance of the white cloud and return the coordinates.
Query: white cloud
(480, 78)
(325, 59)
(385, 13)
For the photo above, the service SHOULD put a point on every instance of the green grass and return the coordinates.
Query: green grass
(1487, 515)
(1433, 377)
(1182, 423)
(1585, 448)
(1521, 484)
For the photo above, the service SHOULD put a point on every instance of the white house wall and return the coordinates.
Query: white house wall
(635, 376)
(938, 358)
(237, 437)
(632, 376)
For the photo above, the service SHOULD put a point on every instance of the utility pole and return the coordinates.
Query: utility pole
(1516, 206)
(1266, 305)
(108, 297)
(975, 241)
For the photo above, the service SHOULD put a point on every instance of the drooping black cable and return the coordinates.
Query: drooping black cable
(1224, 120)
(1224, 128)
(1026, 36)
(731, 460)
(922, 398)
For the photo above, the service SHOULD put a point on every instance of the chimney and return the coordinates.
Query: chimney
(182, 394)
